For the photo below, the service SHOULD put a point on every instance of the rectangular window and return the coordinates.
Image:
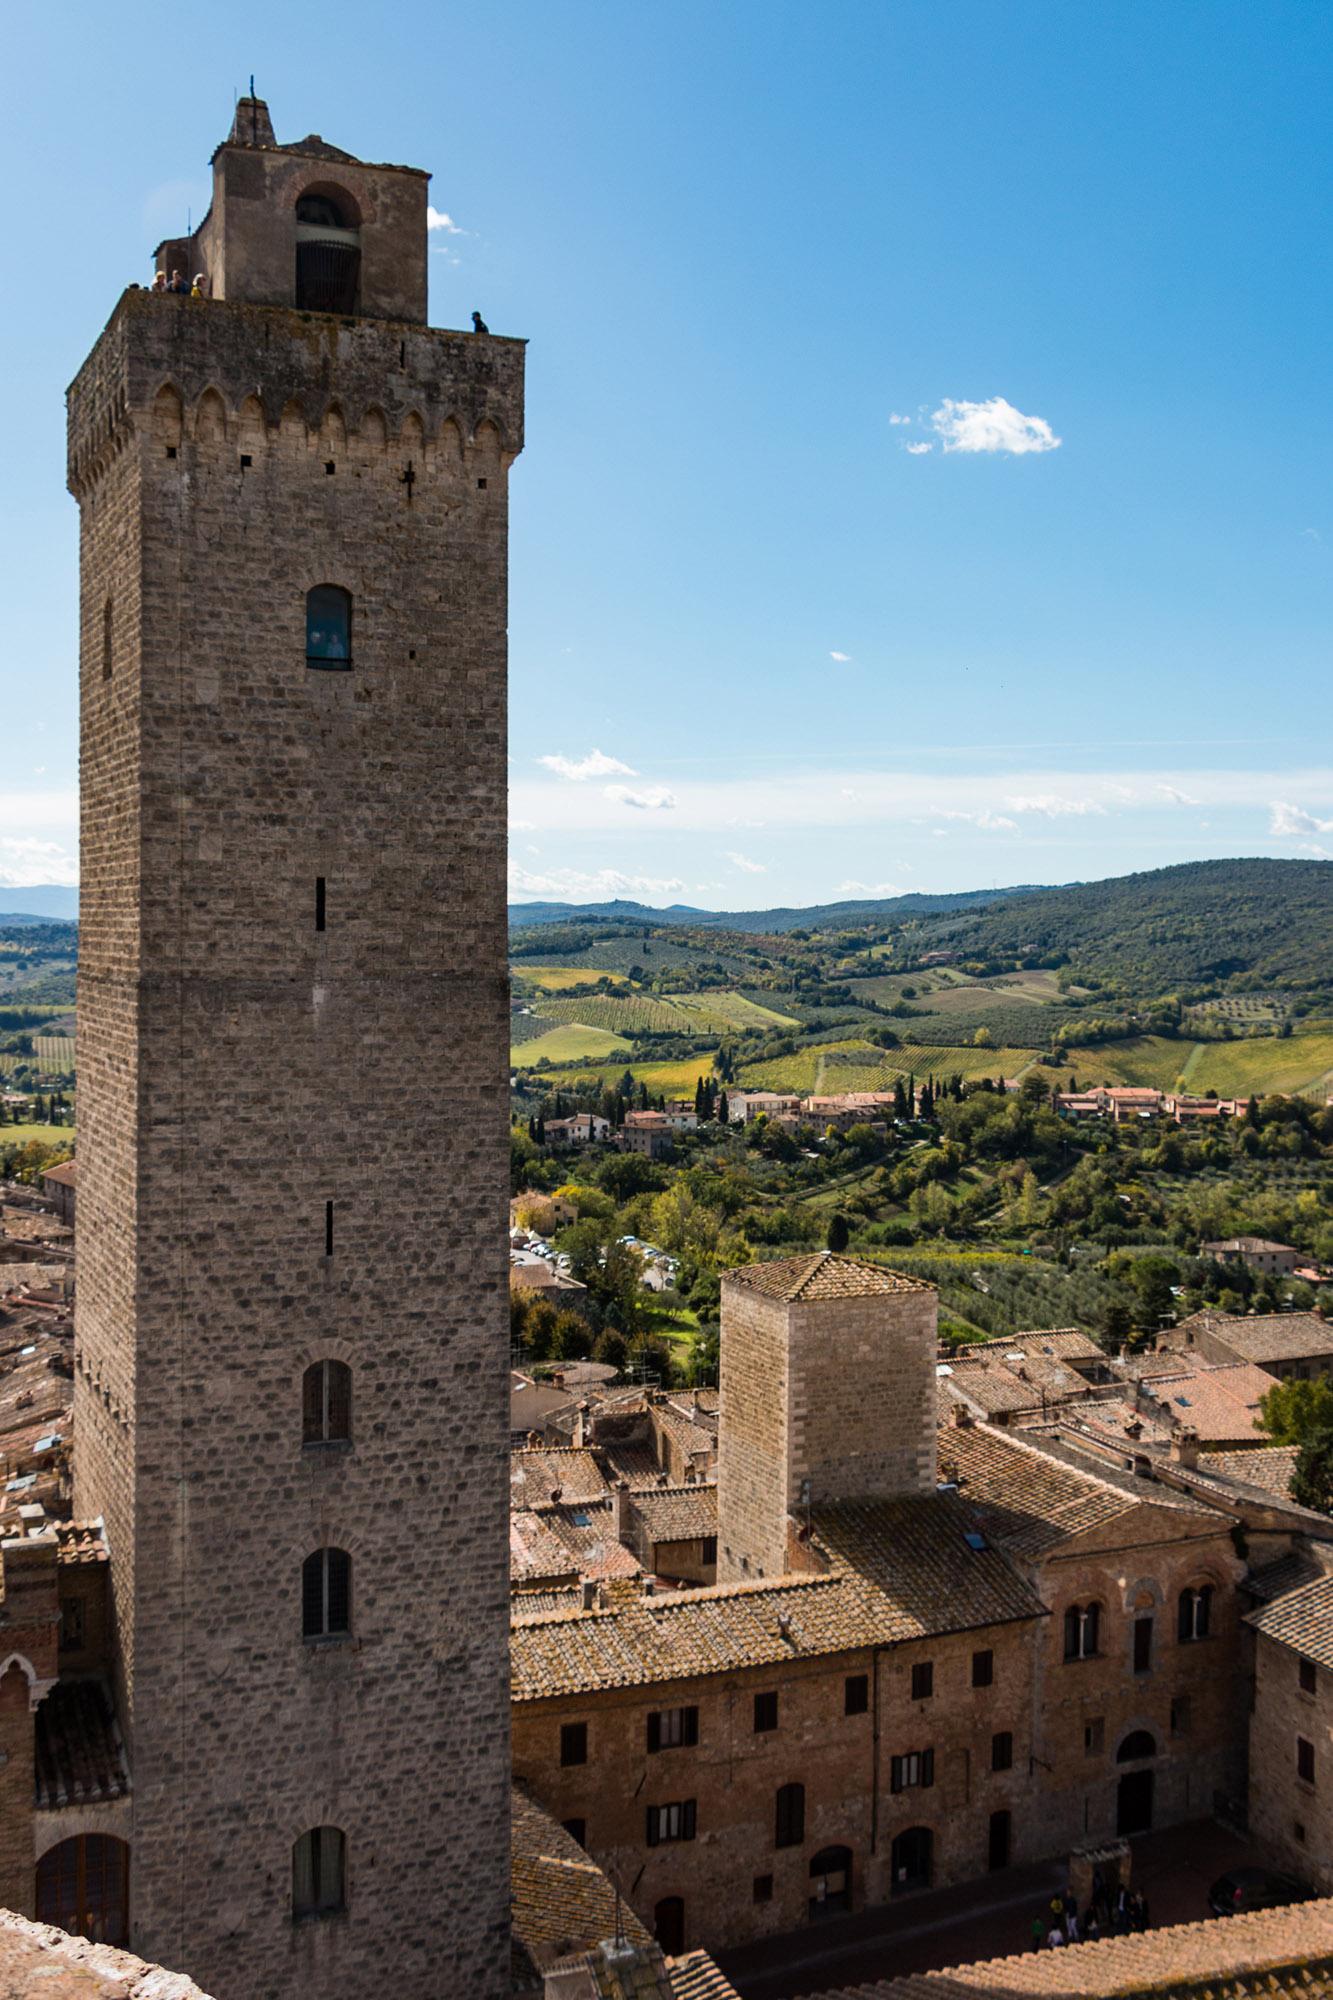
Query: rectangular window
(673, 1729)
(1142, 1645)
(763, 1888)
(673, 1822)
(923, 1680)
(765, 1712)
(708, 1553)
(1309, 1677)
(319, 902)
(1304, 1761)
(573, 1743)
(1081, 1624)
(983, 1668)
(71, 1624)
(916, 1768)
(1002, 1751)
(1180, 1715)
(789, 1816)
(1094, 1736)
(856, 1694)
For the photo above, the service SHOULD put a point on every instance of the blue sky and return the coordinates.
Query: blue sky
(1069, 618)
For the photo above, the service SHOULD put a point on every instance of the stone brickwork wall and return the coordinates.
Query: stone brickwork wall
(1290, 1817)
(17, 1880)
(733, 1774)
(837, 1392)
(240, 1070)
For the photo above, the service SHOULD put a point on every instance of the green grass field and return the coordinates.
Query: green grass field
(568, 1044)
(716, 1012)
(50, 1135)
(664, 1079)
(555, 978)
(830, 1067)
(1293, 1065)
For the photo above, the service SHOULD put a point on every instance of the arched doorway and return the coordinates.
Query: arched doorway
(997, 1851)
(910, 1860)
(669, 1925)
(83, 1886)
(830, 1883)
(1134, 1794)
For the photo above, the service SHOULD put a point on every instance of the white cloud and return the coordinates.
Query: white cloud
(657, 799)
(744, 863)
(841, 658)
(576, 885)
(894, 418)
(988, 821)
(1288, 821)
(918, 450)
(993, 426)
(1052, 805)
(595, 765)
(521, 826)
(437, 219)
(26, 863)
(1176, 797)
(861, 889)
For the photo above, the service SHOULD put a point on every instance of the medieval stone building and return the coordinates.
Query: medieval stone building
(293, 662)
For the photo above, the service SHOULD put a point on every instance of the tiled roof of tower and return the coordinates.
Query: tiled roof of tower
(78, 1757)
(1279, 1953)
(81, 1542)
(1302, 1619)
(899, 1570)
(561, 1900)
(823, 1275)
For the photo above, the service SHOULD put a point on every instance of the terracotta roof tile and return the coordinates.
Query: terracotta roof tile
(1029, 1499)
(822, 1275)
(81, 1542)
(562, 1902)
(1270, 1466)
(1301, 1619)
(1279, 1953)
(677, 1513)
(696, 1976)
(534, 1475)
(78, 1757)
(1262, 1337)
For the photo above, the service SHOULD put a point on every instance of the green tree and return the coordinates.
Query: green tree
(839, 1235)
(1312, 1479)
(1293, 1412)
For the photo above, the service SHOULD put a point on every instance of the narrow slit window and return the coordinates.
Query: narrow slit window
(326, 1595)
(107, 635)
(328, 1229)
(328, 626)
(319, 902)
(327, 1403)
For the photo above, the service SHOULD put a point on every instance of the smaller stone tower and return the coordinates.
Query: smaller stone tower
(827, 1393)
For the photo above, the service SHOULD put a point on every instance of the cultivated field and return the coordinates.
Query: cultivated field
(830, 1067)
(54, 1051)
(555, 978)
(1295, 1064)
(568, 1044)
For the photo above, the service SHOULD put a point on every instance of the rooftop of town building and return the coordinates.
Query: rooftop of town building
(822, 1275)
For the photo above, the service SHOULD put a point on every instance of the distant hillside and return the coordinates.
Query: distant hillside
(819, 916)
(50, 899)
(1200, 923)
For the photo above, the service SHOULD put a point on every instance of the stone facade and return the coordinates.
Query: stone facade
(293, 912)
(827, 1393)
(1291, 1731)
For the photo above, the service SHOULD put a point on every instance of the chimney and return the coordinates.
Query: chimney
(581, 1425)
(1185, 1448)
(621, 1503)
(590, 1595)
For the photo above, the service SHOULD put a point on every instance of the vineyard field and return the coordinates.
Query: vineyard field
(630, 1014)
(54, 1051)
(1293, 1064)
(832, 1067)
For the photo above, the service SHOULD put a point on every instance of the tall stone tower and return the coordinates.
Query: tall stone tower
(292, 1326)
(827, 1393)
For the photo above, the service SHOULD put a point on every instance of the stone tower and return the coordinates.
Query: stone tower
(827, 1393)
(292, 1328)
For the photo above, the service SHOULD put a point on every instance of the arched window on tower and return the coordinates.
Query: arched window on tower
(326, 1595)
(328, 626)
(1196, 1605)
(328, 252)
(319, 1873)
(326, 1397)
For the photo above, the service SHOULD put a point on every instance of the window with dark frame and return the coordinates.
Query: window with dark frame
(573, 1743)
(1180, 1715)
(328, 1229)
(763, 1888)
(671, 1822)
(708, 1553)
(1094, 1736)
(765, 1711)
(328, 626)
(983, 1668)
(326, 1403)
(923, 1680)
(1194, 1614)
(1142, 1645)
(1309, 1677)
(789, 1816)
(856, 1694)
(326, 1595)
(319, 902)
(673, 1729)
(1304, 1760)
(319, 1873)
(916, 1768)
(71, 1624)
(1002, 1750)
(1082, 1622)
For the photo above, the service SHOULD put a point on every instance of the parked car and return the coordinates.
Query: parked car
(1242, 1889)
